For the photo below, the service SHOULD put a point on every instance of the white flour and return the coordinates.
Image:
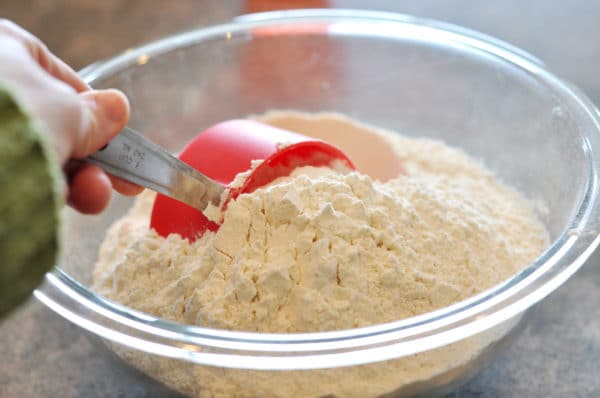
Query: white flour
(324, 251)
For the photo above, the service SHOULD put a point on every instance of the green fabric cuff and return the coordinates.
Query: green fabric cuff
(30, 201)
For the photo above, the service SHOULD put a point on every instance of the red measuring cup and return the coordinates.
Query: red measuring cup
(226, 149)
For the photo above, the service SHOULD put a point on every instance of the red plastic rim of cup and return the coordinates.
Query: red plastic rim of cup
(226, 149)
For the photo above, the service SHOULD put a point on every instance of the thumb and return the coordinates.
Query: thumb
(106, 114)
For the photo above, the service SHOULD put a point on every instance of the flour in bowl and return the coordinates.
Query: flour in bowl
(321, 250)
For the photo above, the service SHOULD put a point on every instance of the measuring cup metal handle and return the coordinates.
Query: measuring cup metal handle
(134, 158)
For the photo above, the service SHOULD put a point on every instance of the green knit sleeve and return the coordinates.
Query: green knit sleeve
(30, 203)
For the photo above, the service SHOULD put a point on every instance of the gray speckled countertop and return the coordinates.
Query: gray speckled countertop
(557, 355)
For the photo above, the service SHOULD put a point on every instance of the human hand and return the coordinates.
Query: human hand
(78, 119)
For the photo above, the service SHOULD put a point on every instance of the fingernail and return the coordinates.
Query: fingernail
(113, 103)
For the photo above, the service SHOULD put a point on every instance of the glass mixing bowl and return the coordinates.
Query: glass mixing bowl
(419, 77)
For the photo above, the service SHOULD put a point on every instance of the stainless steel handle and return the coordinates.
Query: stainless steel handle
(134, 158)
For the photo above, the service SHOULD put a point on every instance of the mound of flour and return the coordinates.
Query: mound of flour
(320, 250)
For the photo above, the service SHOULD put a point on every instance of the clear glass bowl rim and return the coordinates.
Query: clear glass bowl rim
(245, 350)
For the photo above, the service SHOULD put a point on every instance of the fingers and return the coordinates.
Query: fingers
(105, 114)
(89, 190)
(77, 124)
(72, 167)
(78, 120)
(40, 53)
(57, 68)
(124, 187)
